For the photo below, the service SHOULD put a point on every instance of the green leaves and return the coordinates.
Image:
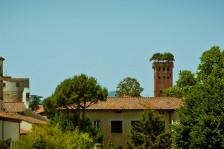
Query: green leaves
(162, 57)
(201, 119)
(129, 87)
(148, 133)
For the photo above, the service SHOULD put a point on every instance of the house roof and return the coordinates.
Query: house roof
(135, 103)
(14, 106)
(28, 119)
(6, 115)
(22, 131)
(40, 109)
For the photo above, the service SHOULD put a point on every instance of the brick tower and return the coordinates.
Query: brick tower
(1, 82)
(163, 77)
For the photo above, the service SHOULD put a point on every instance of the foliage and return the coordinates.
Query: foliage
(69, 122)
(146, 133)
(35, 101)
(164, 141)
(201, 119)
(183, 84)
(111, 145)
(49, 107)
(130, 87)
(5, 144)
(52, 137)
(81, 91)
(162, 57)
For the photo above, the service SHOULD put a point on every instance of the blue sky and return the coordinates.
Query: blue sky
(51, 40)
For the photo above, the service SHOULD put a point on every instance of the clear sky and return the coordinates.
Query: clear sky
(51, 40)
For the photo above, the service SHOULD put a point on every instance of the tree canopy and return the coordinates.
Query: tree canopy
(147, 133)
(162, 57)
(186, 80)
(130, 87)
(35, 101)
(201, 119)
(81, 91)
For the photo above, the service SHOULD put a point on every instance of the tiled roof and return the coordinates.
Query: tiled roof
(28, 119)
(19, 117)
(40, 109)
(22, 131)
(14, 106)
(136, 103)
(6, 115)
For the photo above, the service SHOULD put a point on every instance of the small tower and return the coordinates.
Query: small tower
(1, 82)
(163, 77)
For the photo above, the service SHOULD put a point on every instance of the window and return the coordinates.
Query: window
(4, 84)
(161, 112)
(135, 123)
(168, 77)
(159, 77)
(116, 126)
(168, 68)
(161, 91)
(159, 68)
(164, 68)
(97, 124)
(17, 84)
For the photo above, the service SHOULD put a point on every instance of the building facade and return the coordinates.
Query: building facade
(16, 90)
(116, 115)
(163, 77)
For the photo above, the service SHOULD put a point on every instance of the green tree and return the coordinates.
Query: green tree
(49, 107)
(5, 144)
(201, 119)
(168, 57)
(51, 136)
(145, 133)
(35, 101)
(162, 57)
(130, 87)
(183, 84)
(156, 57)
(81, 91)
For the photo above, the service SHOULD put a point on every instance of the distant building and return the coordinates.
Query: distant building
(163, 77)
(16, 90)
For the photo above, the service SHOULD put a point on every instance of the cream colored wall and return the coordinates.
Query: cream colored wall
(106, 116)
(11, 130)
(25, 126)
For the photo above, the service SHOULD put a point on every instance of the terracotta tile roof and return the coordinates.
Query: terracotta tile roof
(22, 132)
(6, 115)
(19, 117)
(14, 106)
(40, 109)
(136, 103)
(28, 119)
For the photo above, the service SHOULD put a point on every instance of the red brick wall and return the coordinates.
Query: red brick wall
(163, 77)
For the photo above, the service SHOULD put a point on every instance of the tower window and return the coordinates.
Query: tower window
(168, 77)
(159, 68)
(168, 68)
(164, 68)
(4, 84)
(159, 77)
